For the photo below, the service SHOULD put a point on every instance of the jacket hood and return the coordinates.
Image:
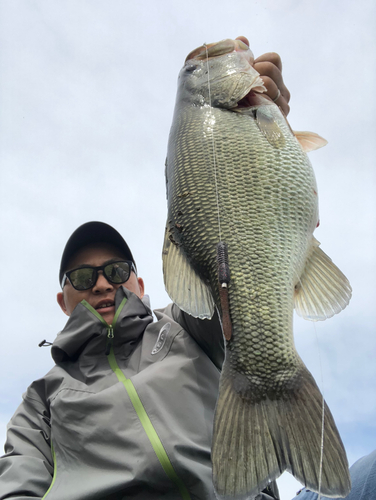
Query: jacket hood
(84, 331)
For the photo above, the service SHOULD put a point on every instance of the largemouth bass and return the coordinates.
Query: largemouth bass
(236, 173)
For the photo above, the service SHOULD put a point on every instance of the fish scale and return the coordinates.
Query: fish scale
(261, 187)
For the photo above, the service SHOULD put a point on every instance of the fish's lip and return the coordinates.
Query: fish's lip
(253, 99)
(252, 96)
(218, 49)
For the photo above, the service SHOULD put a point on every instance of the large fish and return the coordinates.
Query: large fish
(236, 173)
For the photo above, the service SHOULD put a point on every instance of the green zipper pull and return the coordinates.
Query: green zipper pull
(110, 339)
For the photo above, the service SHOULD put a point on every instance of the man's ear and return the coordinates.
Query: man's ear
(142, 287)
(60, 301)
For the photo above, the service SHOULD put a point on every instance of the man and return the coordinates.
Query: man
(127, 411)
(146, 436)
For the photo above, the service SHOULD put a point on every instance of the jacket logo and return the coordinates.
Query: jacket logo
(161, 338)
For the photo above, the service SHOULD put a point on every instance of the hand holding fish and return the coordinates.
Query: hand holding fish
(269, 66)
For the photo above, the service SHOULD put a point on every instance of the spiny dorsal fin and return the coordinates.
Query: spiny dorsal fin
(323, 290)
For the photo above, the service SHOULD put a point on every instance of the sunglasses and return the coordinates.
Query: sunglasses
(84, 278)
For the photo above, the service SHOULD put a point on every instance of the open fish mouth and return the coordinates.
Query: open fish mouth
(252, 99)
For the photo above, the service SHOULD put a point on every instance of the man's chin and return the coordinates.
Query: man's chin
(107, 314)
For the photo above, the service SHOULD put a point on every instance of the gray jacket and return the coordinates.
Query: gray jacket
(77, 433)
(126, 413)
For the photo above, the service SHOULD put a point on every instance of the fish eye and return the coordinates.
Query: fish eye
(190, 68)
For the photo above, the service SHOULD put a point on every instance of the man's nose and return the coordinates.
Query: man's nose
(102, 285)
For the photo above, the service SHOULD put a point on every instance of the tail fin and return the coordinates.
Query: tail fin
(257, 438)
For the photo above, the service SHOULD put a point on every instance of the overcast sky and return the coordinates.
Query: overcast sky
(86, 101)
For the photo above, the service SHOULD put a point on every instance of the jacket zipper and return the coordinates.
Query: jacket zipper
(110, 339)
(110, 328)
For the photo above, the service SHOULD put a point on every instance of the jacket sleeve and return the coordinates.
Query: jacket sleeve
(27, 468)
(207, 333)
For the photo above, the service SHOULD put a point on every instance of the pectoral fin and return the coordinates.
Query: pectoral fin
(322, 290)
(183, 284)
(269, 127)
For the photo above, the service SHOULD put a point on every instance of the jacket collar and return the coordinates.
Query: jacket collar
(86, 333)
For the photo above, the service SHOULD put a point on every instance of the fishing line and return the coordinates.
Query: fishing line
(213, 145)
(222, 255)
(323, 411)
(323, 402)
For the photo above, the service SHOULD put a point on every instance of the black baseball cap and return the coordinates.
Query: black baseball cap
(93, 232)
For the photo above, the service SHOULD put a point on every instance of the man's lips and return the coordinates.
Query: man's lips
(104, 305)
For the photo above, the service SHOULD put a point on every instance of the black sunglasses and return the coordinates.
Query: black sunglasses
(84, 278)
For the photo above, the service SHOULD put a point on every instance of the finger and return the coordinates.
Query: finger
(270, 70)
(269, 66)
(243, 39)
(272, 92)
(272, 57)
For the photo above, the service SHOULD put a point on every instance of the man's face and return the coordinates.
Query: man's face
(102, 295)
